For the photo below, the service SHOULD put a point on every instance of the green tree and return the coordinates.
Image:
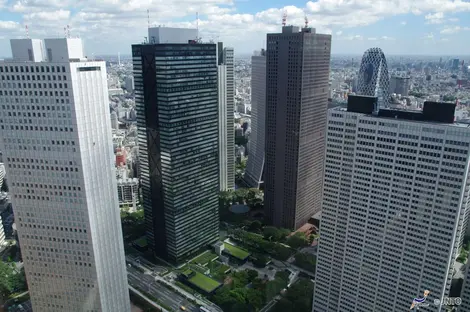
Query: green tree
(223, 298)
(283, 305)
(300, 295)
(11, 281)
(273, 288)
(260, 260)
(252, 274)
(255, 298)
(297, 240)
(255, 226)
(274, 234)
(305, 261)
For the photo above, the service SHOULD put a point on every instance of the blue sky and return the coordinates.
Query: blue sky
(111, 26)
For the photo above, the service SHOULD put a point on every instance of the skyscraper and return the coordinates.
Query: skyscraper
(395, 206)
(373, 79)
(255, 163)
(297, 77)
(400, 85)
(55, 134)
(226, 117)
(177, 120)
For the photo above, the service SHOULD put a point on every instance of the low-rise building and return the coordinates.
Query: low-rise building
(128, 192)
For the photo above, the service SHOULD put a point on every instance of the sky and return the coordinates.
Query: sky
(426, 27)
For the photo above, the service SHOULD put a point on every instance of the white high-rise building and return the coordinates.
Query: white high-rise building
(55, 134)
(226, 90)
(395, 208)
(255, 164)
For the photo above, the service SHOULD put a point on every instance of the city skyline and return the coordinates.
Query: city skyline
(424, 26)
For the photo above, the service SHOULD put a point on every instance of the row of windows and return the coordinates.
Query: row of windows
(35, 78)
(32, 69)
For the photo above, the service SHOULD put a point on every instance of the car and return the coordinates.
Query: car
(183, 308)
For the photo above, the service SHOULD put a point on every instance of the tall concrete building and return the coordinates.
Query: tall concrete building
(226, 87)
(177, 120)
(255, 163)
(400, 85)
(297, 77)
(55, 134)
(395, 207)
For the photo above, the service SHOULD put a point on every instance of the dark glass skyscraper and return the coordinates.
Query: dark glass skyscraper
(297, 77)
(177, 119)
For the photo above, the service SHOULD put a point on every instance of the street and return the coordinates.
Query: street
(147, 283)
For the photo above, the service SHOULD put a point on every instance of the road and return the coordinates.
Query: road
(147, 283)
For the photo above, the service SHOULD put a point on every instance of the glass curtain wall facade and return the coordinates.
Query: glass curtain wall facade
(177, 119)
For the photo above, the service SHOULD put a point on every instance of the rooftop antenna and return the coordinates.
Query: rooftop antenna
(306, 21)
(284, 18)
(119, 58)
(65, 32)
(148, 18)
(68, 31)
(27, 32)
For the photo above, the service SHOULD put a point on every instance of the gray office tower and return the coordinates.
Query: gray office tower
(177, 119)
(255, 164)
(226, 117)
(297, 71)
(395, 207)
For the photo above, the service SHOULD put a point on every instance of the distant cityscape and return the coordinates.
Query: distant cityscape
(186, 177)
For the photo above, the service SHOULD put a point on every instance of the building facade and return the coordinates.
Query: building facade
(395, 209)
(226, 85)
(373, 78)
(400, 85)
(297, 76)
(177, 119)
(255, 164)
(55, 134)
(128, 192)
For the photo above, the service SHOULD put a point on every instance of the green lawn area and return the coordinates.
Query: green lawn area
(204, 258)
(236, 251)
(141, 242)
(204, 282)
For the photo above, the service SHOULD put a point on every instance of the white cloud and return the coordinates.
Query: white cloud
(451, 30)
(354, 37)
(429, 36)
(101, 22)
(9, 25)
(435, 18)
(387, 38)
(372, 39)
(48, 16)
(453, 20)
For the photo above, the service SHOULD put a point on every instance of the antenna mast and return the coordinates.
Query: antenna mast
(68, 31)
(306, 21)
(284, 18)
(27, 32)
(148, 18)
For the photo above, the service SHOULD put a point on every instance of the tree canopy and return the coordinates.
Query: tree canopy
(297, 240)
